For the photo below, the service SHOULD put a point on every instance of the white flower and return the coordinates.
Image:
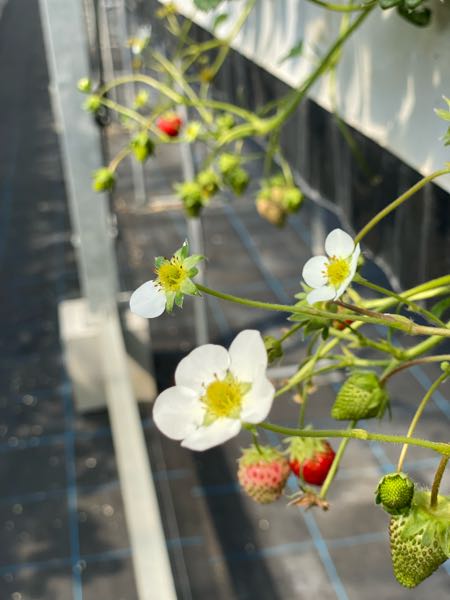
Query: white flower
(173, 281)
(216, 391)
(331, 275)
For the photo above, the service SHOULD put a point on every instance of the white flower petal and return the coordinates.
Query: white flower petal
(148, 300)
(326, 292)
(339, 243)
(258, 401)
(353, 266)
(177, 412)
(201, 366)
(248, 355)
(313, 271)
(212, 435)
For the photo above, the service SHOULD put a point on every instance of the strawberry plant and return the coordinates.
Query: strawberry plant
(219, 392)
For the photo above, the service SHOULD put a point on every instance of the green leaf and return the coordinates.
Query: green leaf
(413, 3)
(443, 114)
(159, 261)
(420, 17)
(385, 4)
(296, 50)
(170, 298)
(189, 287)
(221, 18)
(447, 138)
(207, 4)
(179, 299)
(440, 307)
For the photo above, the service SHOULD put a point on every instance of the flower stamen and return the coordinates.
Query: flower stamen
(223, 398)
(171, 275)
(337, 270)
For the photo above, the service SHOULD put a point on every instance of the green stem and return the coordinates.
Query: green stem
(293, 100)
(187, 89)
(437, 482)
(150, 81)
(223, 52)
(402, 323)
(119, 158)
(396, 203)
(290, 107)
(342, 7)
(412, 305)
(335, 464)
(417, 416)
(359, 434)
(412, 363)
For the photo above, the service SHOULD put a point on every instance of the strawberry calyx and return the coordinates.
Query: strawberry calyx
(265, 454)
(433, 524)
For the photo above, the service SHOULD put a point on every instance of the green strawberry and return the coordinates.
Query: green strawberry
(395, 492)
(103, 179)
(420, 540)
(209, 182)
(360, 397)
(142, 146)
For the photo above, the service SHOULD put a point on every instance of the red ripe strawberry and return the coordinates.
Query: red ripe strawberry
(263, 473)
(310, 459)
(170, 124)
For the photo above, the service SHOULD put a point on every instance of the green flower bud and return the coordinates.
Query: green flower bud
(237, 180)
(84, 85)
(209, 182)
(274, 348)
(92, 103)
(141, 99)
(228, 162)
(191, 195)
(225, 122)
(360, 397)
(395, 492)
(103, 179)
(142, 146)
(192, 131)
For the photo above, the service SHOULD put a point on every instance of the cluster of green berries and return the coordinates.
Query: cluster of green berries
(197, 193)
(419, 533)
(277, 199)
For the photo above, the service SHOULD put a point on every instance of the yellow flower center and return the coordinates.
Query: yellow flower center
(171, 275)
(337, 270)
(224, 398)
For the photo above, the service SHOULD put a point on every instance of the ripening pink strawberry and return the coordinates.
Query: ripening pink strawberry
(263, 473)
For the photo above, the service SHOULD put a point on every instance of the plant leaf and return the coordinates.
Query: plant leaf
(296, 50)
(206, 5)
(221, 18)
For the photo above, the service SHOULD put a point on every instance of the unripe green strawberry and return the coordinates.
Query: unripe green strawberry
(209, 182)
(263, 473)
(419, 540)
(142, 146)
(191, 195)
(103, 179)
(228, 162)
(395, 492)
(293, 198)
(237, 180)
(360, 397)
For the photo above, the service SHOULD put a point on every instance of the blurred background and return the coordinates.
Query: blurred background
(94, 502)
